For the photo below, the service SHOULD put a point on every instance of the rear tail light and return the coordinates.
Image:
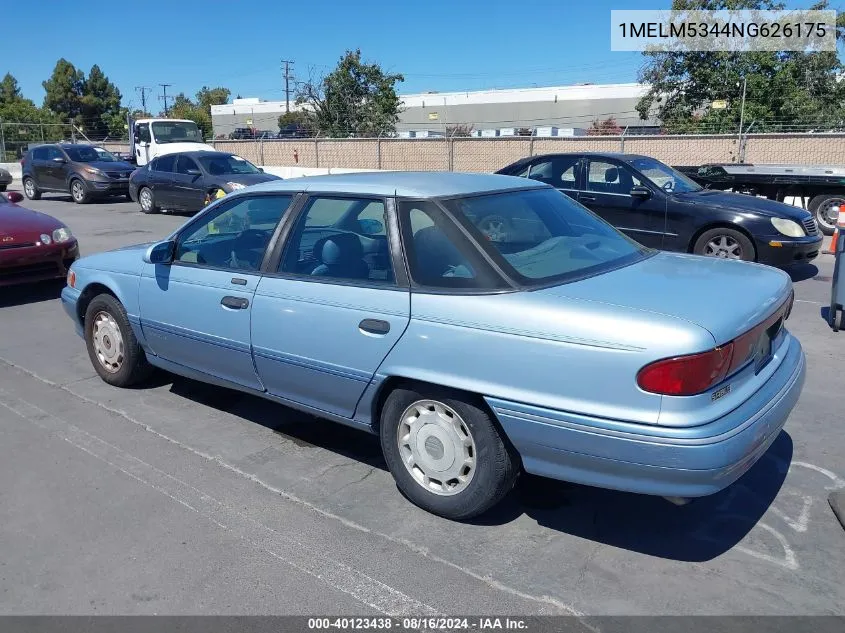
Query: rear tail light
(696, 373)
(687, 375)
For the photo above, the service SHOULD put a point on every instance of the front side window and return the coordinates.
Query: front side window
(83, 154)
(439, 254)
(143, 130)
(543, 236)
(185, 165)
(329, 241)
(235, 235)
(39, 153)
(664, 176)
(54, 152)
(164, 163)
(176, 132)
(220, 164)
(606, 177)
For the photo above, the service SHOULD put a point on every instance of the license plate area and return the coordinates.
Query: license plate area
(768, 341)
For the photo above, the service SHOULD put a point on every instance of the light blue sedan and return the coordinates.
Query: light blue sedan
(480, 324)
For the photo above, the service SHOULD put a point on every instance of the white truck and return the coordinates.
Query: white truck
(150, 138)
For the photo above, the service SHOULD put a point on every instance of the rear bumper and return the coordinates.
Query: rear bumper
(696, 462)
(38, 263)
(792, 250)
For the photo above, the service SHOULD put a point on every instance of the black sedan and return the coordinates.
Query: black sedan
(187, 181)
(661, 208)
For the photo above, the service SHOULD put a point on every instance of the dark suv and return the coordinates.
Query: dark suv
(81, 170)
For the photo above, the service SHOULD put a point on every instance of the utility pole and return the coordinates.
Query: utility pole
(742, 111)
(164, 96)
(143, 90)
(287, 76)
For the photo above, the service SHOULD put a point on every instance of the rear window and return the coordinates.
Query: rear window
(542, 236)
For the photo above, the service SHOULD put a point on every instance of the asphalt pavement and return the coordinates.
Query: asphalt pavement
(181, 498)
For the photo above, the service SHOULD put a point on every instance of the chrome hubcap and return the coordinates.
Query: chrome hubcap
(146, 200)
(108, 342)
(29, 188)
(436, 447)
(77, 191)
(828, 213)
(723, 246)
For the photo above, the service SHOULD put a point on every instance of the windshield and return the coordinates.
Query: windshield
(86, 154)
(542, 235)
(664, 176)
(176, 132)
(221, 164)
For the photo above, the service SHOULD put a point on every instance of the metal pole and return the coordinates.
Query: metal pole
(41, 127)
(317, 152)
(2, 144)
(742, 111)
(262, 150)
(378, 152)
(531, 143)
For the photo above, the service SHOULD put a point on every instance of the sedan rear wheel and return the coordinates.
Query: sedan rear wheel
(726, 244)
(445, 452)
(30, 189)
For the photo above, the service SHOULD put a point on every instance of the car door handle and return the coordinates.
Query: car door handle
(235, 303)
(238, 281)
(588, 198)
(374, 326)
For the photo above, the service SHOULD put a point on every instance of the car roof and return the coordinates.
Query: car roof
(616, 155)
(407, 184)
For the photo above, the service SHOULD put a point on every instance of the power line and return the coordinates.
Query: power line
(164, 96)
(143, 90)
(288, 63)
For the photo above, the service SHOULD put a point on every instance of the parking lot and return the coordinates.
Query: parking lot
(178, 497)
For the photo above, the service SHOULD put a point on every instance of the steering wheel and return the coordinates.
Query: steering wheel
(494, 227)
(669, 186)
(251, 238)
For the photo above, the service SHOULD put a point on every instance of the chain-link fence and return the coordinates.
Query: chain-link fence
(490, 154)
(16, 138)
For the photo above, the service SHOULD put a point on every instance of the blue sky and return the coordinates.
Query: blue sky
(437, 44)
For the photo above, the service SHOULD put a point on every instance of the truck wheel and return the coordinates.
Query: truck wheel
(445, 452)
(824, 208)
(725, 243)
(112, 347)
(30, 189)
(147, 200)
(78, 192)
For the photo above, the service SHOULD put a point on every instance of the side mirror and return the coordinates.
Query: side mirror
(14, 196)
(60, 160)
(641, 192)
(261, 169)
(194, 172)
(160, 253)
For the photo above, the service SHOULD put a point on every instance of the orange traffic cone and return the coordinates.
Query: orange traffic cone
(840, 224)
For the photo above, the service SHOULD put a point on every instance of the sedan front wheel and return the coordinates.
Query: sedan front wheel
(445, 452)
(726, 244)
(112, 347)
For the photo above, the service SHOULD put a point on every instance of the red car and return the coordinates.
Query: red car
(33, 246)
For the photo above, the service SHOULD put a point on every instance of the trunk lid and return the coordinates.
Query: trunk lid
(725, 297)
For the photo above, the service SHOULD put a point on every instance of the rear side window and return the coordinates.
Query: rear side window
(39, 153)
(54, 152)
(439, 255)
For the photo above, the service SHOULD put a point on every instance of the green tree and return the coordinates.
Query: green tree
(207, 97)
(64, 91)
(184, 108)
(100, 105)
(784, 90)
(9, 90)
(23, 122)
(355, 99)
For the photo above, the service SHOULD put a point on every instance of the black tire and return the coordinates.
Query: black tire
(732, 237)
(78, 192)
(134, 367)
(142, 197)
(2, 187)
(496, 463)
(818, 206)
(30, 189)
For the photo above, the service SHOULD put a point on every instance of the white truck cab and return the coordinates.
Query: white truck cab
(156, 137)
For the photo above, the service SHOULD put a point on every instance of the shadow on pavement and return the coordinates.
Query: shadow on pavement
(699, 531)
(801, 272)
(31, 293)
(299, 428)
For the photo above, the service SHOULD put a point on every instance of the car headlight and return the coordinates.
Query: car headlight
(94, 171)
(788, 227)
(234, 186)
(45, 239)
(62, 235)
